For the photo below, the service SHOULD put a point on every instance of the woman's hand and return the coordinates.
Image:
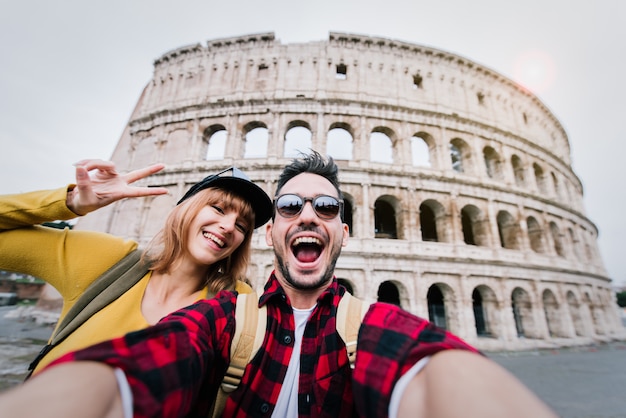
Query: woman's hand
(105, 185)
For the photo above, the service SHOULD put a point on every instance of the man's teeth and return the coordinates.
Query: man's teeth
(213, 238)
(307, 240)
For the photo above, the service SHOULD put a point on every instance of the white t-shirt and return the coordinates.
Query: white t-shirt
(287, 403)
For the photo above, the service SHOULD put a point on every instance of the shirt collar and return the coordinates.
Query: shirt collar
(274, 291)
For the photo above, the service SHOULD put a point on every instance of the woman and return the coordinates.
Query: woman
(203, 248)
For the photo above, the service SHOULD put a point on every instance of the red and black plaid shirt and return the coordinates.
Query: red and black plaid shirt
(175, 367)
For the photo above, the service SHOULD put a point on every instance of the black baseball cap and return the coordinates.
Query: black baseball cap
(234, 180)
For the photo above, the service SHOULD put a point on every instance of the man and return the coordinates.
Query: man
(404, 365)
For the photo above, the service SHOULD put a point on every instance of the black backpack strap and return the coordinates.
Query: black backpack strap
(105, 289)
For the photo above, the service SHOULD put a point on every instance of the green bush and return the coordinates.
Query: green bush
(621, 299)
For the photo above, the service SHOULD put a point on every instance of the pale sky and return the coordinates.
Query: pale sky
(71, 72)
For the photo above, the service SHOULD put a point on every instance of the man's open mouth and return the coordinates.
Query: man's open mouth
(307, 249)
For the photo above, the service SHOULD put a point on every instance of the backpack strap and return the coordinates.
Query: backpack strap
(105, 289)
(350, 313)
(250, 325)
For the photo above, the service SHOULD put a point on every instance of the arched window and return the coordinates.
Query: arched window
(435, 224)
(339, 144)
(492, 163)
(480, 317)
(518, 170)
(556, 237)
(256, 142)
(384, 220)
(436, 307)
(345, 283)
(420, 151)
(388, 292)
(555, 185)
(574, 243)
(540, 179)
(474, 226)
(216, 139)
(575, 311)
(347, 212)
(428, 223)
(523, 313)
(508, 231)
(551, 310)
(297, 141)
(381, 148)
(459, 155)
(535, 235)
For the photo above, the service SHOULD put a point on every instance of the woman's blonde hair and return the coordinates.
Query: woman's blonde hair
(169, 244)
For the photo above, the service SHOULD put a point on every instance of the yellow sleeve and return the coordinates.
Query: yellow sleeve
(68, 260)
(25, 209)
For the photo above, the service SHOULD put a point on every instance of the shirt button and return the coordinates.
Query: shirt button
(287, 339)
(265, 408)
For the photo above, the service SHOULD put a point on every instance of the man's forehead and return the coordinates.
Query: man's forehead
(309, 184)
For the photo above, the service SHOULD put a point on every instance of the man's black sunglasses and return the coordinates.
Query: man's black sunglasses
(290, 205)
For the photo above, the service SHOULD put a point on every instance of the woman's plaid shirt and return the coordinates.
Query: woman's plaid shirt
(175, 367)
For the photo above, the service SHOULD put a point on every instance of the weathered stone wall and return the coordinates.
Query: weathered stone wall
(468, 212)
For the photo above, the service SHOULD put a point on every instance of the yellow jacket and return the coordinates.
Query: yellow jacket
(70, 261)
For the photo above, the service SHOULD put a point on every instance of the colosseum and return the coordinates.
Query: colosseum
(459, 192)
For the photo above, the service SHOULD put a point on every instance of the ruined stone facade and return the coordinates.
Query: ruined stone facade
(460, 195)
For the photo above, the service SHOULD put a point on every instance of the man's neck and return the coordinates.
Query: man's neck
(301, 299)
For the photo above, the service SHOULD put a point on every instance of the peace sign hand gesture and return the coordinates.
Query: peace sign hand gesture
(105, 185)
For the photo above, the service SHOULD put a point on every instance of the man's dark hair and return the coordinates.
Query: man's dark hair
(310, 163)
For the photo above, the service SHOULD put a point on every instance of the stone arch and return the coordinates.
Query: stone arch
(574, 243)
(535, 235)
(382, 142)
(575, 312)
(347, 284)
(556, 238)
(598, 317)
(298, 139)
(518, 170)
(552, 312)
(493, 165)
(433, 221)
(460, 155)
(485, 307)
(388, 292)
(422, 146)
(385, 218)
(215, 137)
(474, 226)
(523, 317)
(436, 306)
(555, 185)
(340, 141)
(256, 138)
(348, 211)
(540, 179)
(508, 231)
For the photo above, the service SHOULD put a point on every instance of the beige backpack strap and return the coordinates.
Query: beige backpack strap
(350, 313)
(250, 324)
